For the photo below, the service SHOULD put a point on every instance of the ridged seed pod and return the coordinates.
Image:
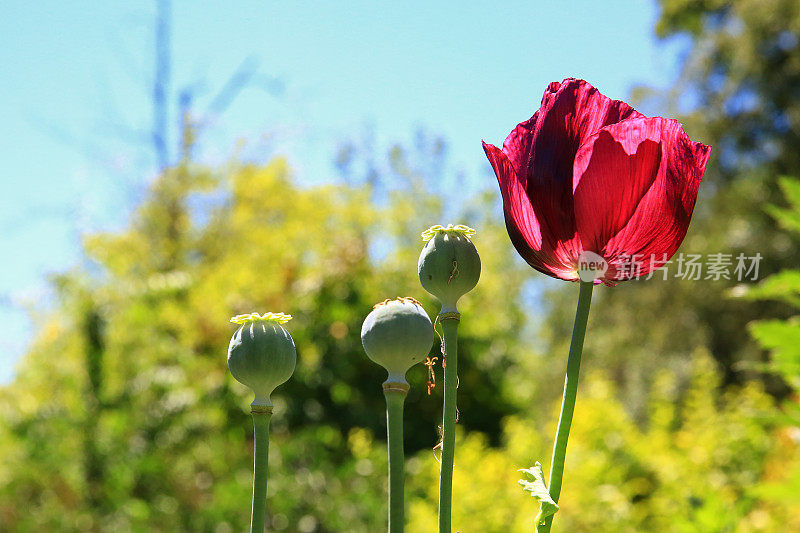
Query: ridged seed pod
(261, 354)
(397, 334)
(449, 265)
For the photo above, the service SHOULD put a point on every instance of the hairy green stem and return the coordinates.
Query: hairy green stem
(568, 401)
(450, 338)
(261, 417)
(395, 394)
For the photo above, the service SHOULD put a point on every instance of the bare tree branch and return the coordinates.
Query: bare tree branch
(238, 80)
(161, 83)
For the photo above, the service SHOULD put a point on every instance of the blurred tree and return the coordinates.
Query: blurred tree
(780, 336)
(123, 415)
(782, 339)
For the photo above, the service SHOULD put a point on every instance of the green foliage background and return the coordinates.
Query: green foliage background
(122, 416)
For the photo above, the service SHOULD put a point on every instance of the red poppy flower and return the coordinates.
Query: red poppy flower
(590, 178)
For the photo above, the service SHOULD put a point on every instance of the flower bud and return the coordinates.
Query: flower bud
(261, 354)
(449, 265)
(397, 334)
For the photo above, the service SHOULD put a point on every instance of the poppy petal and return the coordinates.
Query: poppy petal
(646, 231)
(515, 201)
(521, 221)
(517, 147)
(609, 184)
(570, 113)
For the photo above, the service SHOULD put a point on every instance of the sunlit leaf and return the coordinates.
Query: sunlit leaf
(538, 489)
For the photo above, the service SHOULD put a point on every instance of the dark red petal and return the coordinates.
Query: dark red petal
(515, 201)
(635, 189)
(521, 222)
(610, 184)
(517, 146)
(569, 114)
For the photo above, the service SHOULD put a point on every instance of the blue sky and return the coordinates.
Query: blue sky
(76, 78)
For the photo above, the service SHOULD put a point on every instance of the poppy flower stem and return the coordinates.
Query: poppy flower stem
(450, 342)
(261, 417)
(568, 401)
(395, 394)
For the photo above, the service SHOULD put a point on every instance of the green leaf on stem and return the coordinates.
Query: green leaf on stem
(538, 490)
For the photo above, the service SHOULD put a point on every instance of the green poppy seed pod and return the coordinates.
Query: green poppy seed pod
(261, 354)
(449, 265)
(397, 334)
